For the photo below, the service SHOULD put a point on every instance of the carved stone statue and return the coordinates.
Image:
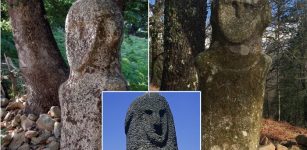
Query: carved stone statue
(232, 75)
(149, 124)
(94, 30)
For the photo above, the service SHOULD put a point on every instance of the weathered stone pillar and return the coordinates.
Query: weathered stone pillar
(232, 75)
(149, 124)
(94, 30)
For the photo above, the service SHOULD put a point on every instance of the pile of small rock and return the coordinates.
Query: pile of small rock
(25, 132)
(299, 143)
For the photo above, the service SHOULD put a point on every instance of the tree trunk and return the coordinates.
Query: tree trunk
(39, 57)
(156, 45)
(184, 36)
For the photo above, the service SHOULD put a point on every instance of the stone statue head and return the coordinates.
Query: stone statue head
(237, 21)
(94, 31)
(149, 124)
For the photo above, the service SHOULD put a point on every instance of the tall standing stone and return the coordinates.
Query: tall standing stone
(94, 30)
(232, 75)
(149, 124)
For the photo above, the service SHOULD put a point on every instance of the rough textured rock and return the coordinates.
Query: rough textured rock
(232, 75)
(45, 122)
(94, 30)
(149, 124)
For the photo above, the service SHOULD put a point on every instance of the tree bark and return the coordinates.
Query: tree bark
(184, 36)
(39, 57)
(156, 45)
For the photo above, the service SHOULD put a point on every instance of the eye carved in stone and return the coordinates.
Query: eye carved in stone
(148, 112)
(162, 112)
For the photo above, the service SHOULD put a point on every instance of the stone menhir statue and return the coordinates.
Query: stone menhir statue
(232, 75)
(94, 30)
(149, 124)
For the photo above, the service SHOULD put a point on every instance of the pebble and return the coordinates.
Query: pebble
(30, 134)
(45, 122)
(57, 129)
(55, 112)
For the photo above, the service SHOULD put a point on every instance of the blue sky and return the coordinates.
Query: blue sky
(185, 107)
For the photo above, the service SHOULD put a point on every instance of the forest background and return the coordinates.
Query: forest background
(285, 41)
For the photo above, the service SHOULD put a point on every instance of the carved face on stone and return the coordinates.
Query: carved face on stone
(154, 120)
(149, 123)
(239, 20)
(93, 34)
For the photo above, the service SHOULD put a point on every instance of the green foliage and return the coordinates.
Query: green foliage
(134, 62)
(57, 11)
(8, 45)
(135, 16)
(59, 36)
